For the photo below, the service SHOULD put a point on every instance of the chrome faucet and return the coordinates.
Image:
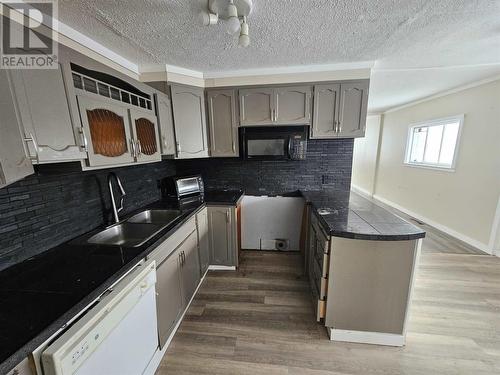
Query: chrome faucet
(122, 195)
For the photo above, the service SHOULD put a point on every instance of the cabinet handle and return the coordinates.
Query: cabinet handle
(32, 139)
(183, 258)
(271, 113)
(85, 145)
(178, 145)
(227, 216)
(275, 115)
(164, 141)
(132, 148)
(340, 127)
(139, 148)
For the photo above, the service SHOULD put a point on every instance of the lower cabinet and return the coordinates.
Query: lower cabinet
(222, 235)
(190, 266)
(178, 275)
(169, 298)
(203, 244)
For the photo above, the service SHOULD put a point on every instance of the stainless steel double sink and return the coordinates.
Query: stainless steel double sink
(136, 230)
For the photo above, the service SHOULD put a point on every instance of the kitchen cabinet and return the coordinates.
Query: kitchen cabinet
(340, 110)
(353, 109)
(116, 134)
(106, 127)
(287, 105)
(145, 134)
(178, 274)
(14, 163)
(164, 113)
(222, 123)
(44, 113)
(190, 266)
(203, 242)
(292, 105)
(169, 298)
(256, 106)
(190, 125)
(222, 235)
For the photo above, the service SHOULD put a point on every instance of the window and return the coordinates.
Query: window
(434, 143)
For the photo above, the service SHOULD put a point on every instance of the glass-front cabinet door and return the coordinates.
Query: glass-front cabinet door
(107, 130)
(145, 135)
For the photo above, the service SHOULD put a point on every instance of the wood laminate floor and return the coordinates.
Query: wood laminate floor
(259, 320)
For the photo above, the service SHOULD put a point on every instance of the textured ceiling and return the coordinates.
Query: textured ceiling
(397, 34)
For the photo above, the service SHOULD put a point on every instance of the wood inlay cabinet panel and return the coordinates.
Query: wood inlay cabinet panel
(107, 130)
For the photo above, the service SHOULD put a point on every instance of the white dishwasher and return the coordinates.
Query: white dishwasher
(119, 336)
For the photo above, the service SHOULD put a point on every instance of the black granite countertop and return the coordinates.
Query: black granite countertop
(347, 214)
(223, 197)
(41, 294)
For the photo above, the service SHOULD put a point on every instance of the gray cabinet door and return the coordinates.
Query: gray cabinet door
(190, 266)
(326, 107)
(164, 113)
(45, 115)
(203, 241)
(221, 235)
(353, 108)
(14, 163)
(256, 106)
(292, 105)
(222, 121)
(189, 120)
(169, 299)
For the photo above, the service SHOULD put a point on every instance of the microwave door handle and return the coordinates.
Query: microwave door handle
(289, 147)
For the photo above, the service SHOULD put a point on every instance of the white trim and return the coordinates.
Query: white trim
(294, 69)
(158, 356)
(428, 124)
(451, 232)
(444, 93)
(362, 337)
(221, 268)
(361, 191)
(494, 243)
(184, 71)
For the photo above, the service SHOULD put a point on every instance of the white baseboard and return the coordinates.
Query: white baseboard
(158, 356)
(221, 268)
(361, 191)
(453, 233)
(373, 338)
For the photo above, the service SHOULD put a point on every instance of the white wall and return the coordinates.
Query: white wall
(462, 203)
(364, 159)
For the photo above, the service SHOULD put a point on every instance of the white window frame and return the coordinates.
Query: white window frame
(430, 123)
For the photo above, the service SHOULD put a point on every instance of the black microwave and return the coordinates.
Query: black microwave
(273, 142)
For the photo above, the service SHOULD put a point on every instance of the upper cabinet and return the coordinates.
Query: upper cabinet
(288, 105)
(118, 123)
(222, 122)
(340, 110)
(256, 106)
(163, 106)
(189, 122)
(45, 117)
(14, 163)
(292, 105)
(145, 134)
